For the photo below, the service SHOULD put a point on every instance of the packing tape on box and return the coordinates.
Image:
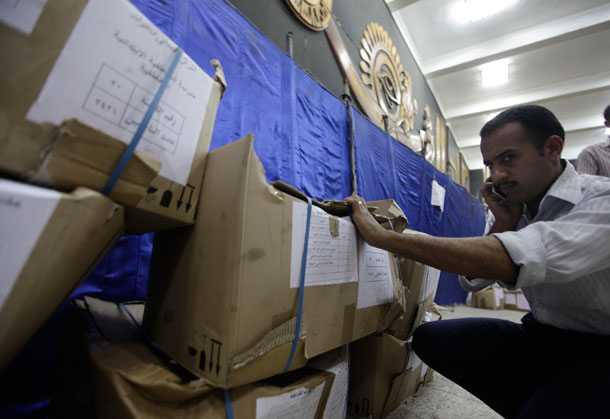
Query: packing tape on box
(276, 337)
(131, 148)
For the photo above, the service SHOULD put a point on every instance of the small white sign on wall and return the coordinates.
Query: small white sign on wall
(437, 198)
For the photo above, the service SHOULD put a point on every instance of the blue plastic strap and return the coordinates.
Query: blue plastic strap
(133, 319)
(131, 148)
(228, 404)
(301, 287)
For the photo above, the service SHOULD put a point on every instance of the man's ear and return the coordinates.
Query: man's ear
(553, 146)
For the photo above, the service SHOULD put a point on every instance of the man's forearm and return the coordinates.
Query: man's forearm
(478, 257)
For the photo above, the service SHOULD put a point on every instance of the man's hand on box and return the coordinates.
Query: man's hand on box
(368, 227)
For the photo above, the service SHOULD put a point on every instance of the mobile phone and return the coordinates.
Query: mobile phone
(499, 194)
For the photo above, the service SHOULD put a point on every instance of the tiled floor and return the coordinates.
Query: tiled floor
(443, 399)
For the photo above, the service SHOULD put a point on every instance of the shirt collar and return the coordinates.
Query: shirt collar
(567, 185)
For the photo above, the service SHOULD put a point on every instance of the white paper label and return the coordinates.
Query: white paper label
(414, 360)
(510, 298)
(21, 14)
(301, 403)
(522, 302)
(498, 295)
(337, 362)
(24, 212)
(437, 198)
(432, 278)
(330, 260)
(375, 277)
(107, 75)
(424, 370)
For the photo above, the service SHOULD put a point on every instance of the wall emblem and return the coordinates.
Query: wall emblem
(315, 14)
(389, 84)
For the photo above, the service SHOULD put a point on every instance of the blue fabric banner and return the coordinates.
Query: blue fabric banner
(301, 133)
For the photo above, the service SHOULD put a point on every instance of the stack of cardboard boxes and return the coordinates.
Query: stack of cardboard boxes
(67, 97)
(227, 298)
(223, 304)
(130, 380)
(494, 297)
(384, 369)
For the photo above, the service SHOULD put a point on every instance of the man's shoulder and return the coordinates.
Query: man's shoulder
(591, 150)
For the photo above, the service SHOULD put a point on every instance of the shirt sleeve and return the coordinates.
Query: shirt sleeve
(566, 248)
(586, 163)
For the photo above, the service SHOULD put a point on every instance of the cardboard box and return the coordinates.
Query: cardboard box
(420, 282)
(131, 381)
(515, 300)
(60, 152)
(50, 242)
(491, 298)
(337, 363)
(384, 371)
(427, 374)
(223, 294)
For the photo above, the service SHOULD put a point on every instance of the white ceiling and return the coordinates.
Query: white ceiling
(558, 54)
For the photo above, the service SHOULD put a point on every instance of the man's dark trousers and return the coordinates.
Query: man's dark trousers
(521, 370)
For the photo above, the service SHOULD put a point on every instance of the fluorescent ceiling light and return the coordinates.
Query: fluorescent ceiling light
(494, 73)
(473, 10)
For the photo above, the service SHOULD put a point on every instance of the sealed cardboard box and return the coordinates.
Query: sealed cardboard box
(384, 371)
(337, 363)
(77, 89)
(491, 298)
(223, 295)
(515, 300)
(131, 381)
(50, 242)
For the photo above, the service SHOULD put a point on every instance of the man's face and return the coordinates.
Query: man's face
(518, 169)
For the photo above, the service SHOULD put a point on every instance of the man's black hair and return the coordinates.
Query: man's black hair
(539, 123)
(607, 113)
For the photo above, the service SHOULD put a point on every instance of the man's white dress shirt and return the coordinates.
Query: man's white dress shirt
(564, 255)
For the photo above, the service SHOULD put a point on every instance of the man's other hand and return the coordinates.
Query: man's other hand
(506, 212)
